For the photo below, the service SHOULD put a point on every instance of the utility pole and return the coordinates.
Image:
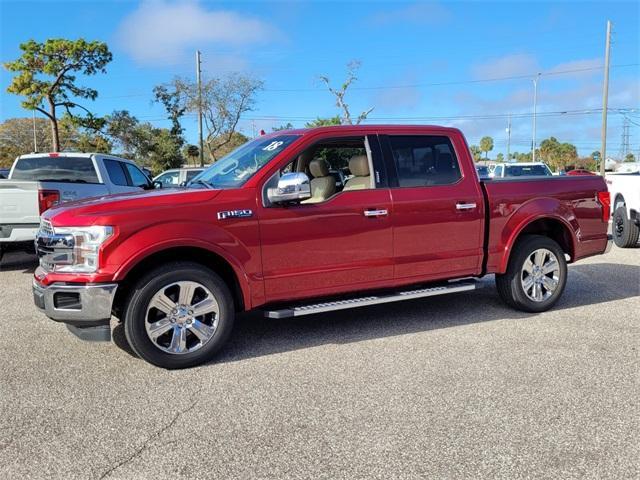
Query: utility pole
(605, 100)
(35, 138)
(509, 138)
(199, 81)
(625, 139)
(535, 107)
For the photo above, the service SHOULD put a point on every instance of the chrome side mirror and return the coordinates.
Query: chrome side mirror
(292, 187)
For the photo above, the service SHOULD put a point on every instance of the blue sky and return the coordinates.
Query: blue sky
(422, 62)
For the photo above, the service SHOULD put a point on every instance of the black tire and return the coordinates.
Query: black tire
(510, 285)
(625, 232)
(143, 291)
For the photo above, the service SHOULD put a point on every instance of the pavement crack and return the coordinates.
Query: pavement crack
(147, 443)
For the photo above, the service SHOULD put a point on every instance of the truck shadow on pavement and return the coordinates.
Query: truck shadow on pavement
(14, 261)
(255, 336)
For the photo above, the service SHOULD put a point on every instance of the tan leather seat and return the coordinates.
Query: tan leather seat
(323, 185)
(359, 166)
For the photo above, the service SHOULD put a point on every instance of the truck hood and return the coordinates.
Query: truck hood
(87, 211)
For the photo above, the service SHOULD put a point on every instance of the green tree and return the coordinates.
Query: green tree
(174, 106)
(226, 146)
(486, 145)
(323, 122)
(558, 155)
(122, 128)
(476, 152)
(500, 158)
(224, 101)
(287, 126)
(191, 152)
(46, 77)
(340, 93)
(630, 157)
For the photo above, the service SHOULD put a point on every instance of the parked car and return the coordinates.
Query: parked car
(177, 176)
(524, 169)
(256, 232)
(483, 171)
(4, 172)
(38, 181)
(579, 171)
(625, 195)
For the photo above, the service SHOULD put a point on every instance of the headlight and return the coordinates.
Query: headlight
(72, 249)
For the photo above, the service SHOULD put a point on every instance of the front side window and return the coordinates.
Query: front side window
(138, 179)
(60, 168)
(424, 160)
(236, 168)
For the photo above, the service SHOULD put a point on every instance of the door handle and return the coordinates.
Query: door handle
(465, 206)
(375, 213)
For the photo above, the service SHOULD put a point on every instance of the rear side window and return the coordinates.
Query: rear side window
(56, 169)
(116, 172)
(424, 160)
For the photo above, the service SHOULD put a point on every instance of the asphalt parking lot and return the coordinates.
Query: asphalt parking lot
(450, 387)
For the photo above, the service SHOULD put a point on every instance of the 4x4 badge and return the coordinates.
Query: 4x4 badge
(234, 214)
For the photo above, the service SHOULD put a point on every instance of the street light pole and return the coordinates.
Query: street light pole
(535, 107)
(605, 100)
(508, 138)
(199, 82)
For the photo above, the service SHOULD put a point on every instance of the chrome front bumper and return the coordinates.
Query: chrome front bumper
(79, 305)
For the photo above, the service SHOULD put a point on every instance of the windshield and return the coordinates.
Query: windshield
(527, 171)
(234, 169)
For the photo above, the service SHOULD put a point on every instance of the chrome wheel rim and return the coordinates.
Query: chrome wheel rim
(182, 317)
(540, 275)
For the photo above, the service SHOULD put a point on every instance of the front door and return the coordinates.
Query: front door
(438, 210)
(338, 244)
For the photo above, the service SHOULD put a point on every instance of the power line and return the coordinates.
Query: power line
(418, 85)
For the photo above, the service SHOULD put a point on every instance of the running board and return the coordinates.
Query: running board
(461, 286)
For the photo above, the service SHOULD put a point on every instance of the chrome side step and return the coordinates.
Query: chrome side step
(460, 286)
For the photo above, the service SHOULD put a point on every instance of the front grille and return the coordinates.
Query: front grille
(53, 249)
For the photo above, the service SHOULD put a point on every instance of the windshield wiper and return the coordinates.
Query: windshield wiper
(200, 182)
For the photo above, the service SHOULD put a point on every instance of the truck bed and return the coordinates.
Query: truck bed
(513, 203)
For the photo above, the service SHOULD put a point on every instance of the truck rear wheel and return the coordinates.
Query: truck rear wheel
(536, 274)
(179, 315)
(625, 232)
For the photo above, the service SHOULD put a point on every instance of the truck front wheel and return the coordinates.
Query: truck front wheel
(536, 274)
(179, 315)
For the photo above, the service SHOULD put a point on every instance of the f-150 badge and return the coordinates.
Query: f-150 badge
(234, 214)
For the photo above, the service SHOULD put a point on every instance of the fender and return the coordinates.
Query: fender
(531, 211)
(126, 254)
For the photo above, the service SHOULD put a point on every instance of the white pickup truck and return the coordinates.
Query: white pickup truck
(38, 181)
(624, 189)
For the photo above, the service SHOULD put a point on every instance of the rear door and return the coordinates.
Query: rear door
(438, 211)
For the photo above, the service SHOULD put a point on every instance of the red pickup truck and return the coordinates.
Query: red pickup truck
(309, 221)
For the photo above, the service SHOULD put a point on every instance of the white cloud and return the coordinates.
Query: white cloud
(163, 32)
(507, 66)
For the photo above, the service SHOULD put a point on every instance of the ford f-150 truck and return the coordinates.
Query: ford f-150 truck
(268, 227)
(38, 181)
